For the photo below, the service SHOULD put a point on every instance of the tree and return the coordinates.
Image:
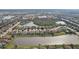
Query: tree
(63, 46)
(28, 29)
(72, 46)
(39, 46)
(47, 46)
(15, 46)
(12, 36)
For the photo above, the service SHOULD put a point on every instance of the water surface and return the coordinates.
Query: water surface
(64, 39)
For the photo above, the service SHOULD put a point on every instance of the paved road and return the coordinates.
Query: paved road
(70, 28)
(70, 22)
(10, 29)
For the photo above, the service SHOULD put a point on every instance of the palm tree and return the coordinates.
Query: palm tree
(38, 28)
(39, 46)
(15, 46)
(42, 28)
(28, 29)
(72, 46)
(47, 46)
(12, 36)
(63, 46)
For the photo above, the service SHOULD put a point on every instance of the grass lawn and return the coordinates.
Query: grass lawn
(60, 33)
(9, 46)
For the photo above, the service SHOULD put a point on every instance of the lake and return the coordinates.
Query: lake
(58, 40)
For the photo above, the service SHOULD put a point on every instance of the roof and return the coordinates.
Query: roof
(30, 24)
(61, 22)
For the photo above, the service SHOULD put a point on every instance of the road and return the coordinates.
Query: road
(10, 29)
(70, 22)
(77, 33)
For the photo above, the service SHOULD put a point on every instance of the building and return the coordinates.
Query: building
(60, 23)
(30, 24)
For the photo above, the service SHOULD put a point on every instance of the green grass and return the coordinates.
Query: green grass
(26, 47)
(9, 46)
(59, 46)
(60, 33)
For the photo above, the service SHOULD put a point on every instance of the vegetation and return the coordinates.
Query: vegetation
(39, 46)
(40, 34)
(9, 46)
(45, 22)
(60, 33)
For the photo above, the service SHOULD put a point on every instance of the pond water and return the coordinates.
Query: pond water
(63, 39)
